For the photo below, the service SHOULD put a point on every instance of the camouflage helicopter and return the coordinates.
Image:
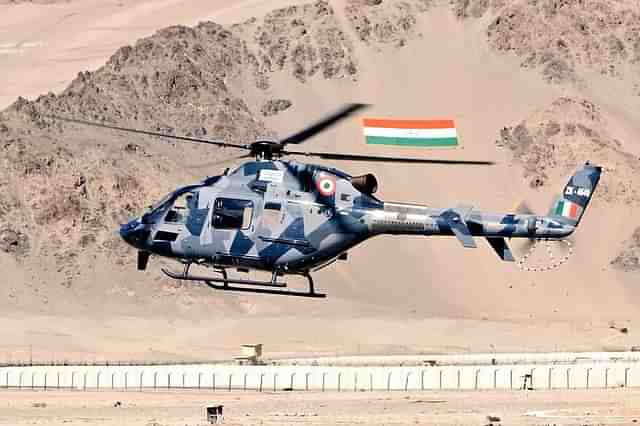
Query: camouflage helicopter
(293, 218)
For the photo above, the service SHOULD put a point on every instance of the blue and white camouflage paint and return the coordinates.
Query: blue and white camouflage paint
(293, 218)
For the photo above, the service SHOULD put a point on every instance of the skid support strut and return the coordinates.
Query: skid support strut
(248, 286)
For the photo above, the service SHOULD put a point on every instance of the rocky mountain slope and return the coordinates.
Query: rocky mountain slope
(560, 36)
(553, 140)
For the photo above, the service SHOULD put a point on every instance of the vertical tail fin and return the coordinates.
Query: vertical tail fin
(572, 203)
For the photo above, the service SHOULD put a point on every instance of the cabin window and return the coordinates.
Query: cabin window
(230, 213)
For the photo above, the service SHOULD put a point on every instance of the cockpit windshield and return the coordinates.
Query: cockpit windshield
(162, 201)
(158, 209)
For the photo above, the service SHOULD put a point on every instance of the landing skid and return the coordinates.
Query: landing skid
(253, 286)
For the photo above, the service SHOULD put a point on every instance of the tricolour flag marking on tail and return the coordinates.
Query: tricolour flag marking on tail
(567, 209)
(410, 132)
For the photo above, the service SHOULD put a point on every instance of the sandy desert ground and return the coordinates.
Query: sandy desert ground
(518, 96)
(615, 407)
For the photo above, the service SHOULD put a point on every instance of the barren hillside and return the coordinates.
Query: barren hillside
(538, 101)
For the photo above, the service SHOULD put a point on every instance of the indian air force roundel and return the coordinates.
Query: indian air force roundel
(326, 185)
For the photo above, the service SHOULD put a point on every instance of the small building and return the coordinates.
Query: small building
(250, 354)
(214, 414)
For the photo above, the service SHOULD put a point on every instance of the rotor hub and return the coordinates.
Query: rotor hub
(265, 149)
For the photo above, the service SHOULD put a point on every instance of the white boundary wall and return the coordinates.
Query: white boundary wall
(471, 359)
(277, 378)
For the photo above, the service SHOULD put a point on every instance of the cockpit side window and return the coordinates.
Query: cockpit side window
(231, 213)
(182, 208)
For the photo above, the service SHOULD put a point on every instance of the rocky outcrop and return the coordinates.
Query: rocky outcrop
(628, 259)
(559, 36)
(564, 135)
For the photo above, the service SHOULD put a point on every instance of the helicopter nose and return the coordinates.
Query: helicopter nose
(134, 233)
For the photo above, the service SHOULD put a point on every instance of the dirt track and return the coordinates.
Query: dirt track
(312, 408)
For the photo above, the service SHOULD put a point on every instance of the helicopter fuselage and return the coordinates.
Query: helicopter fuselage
(293, 218)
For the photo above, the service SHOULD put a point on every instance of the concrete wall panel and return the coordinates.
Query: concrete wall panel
(300, 378)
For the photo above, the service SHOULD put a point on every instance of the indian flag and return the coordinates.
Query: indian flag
(380, 131)
(567, 209)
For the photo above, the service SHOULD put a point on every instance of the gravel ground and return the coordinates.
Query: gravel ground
(576, 407)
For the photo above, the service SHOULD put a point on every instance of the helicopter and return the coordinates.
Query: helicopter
(293, 218)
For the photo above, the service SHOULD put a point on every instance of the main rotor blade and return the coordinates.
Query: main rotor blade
(375, 158)
(218, 163)
(321, 125)
(146, 132)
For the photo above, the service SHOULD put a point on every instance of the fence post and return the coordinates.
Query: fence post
(46, 373)
(58, 379)
(199, 379)
(422, 380)
(477, 374)
(213, 381)
(169, 380)
(155, 380)
(84, 384)
(33, 375)
(588, 374)
(568, 378)
(606, 377)
(126, 380)
(406, 381)
(339, 380)
(291, 380)
(440, 378)
(389, 381)
(355, 381)
(306, 381)
(261, 379)
(275, 381)
(97, 380)
(626, 377)
(184, 374)
(244, 382)
(230, 378)
(550, 372)
(531, 372)
(323, 376)
(511, 379)
(371, 382)
(459, 373)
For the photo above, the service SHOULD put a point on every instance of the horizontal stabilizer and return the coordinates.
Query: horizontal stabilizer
(461, 232)
(455, 219)
(501, 248)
